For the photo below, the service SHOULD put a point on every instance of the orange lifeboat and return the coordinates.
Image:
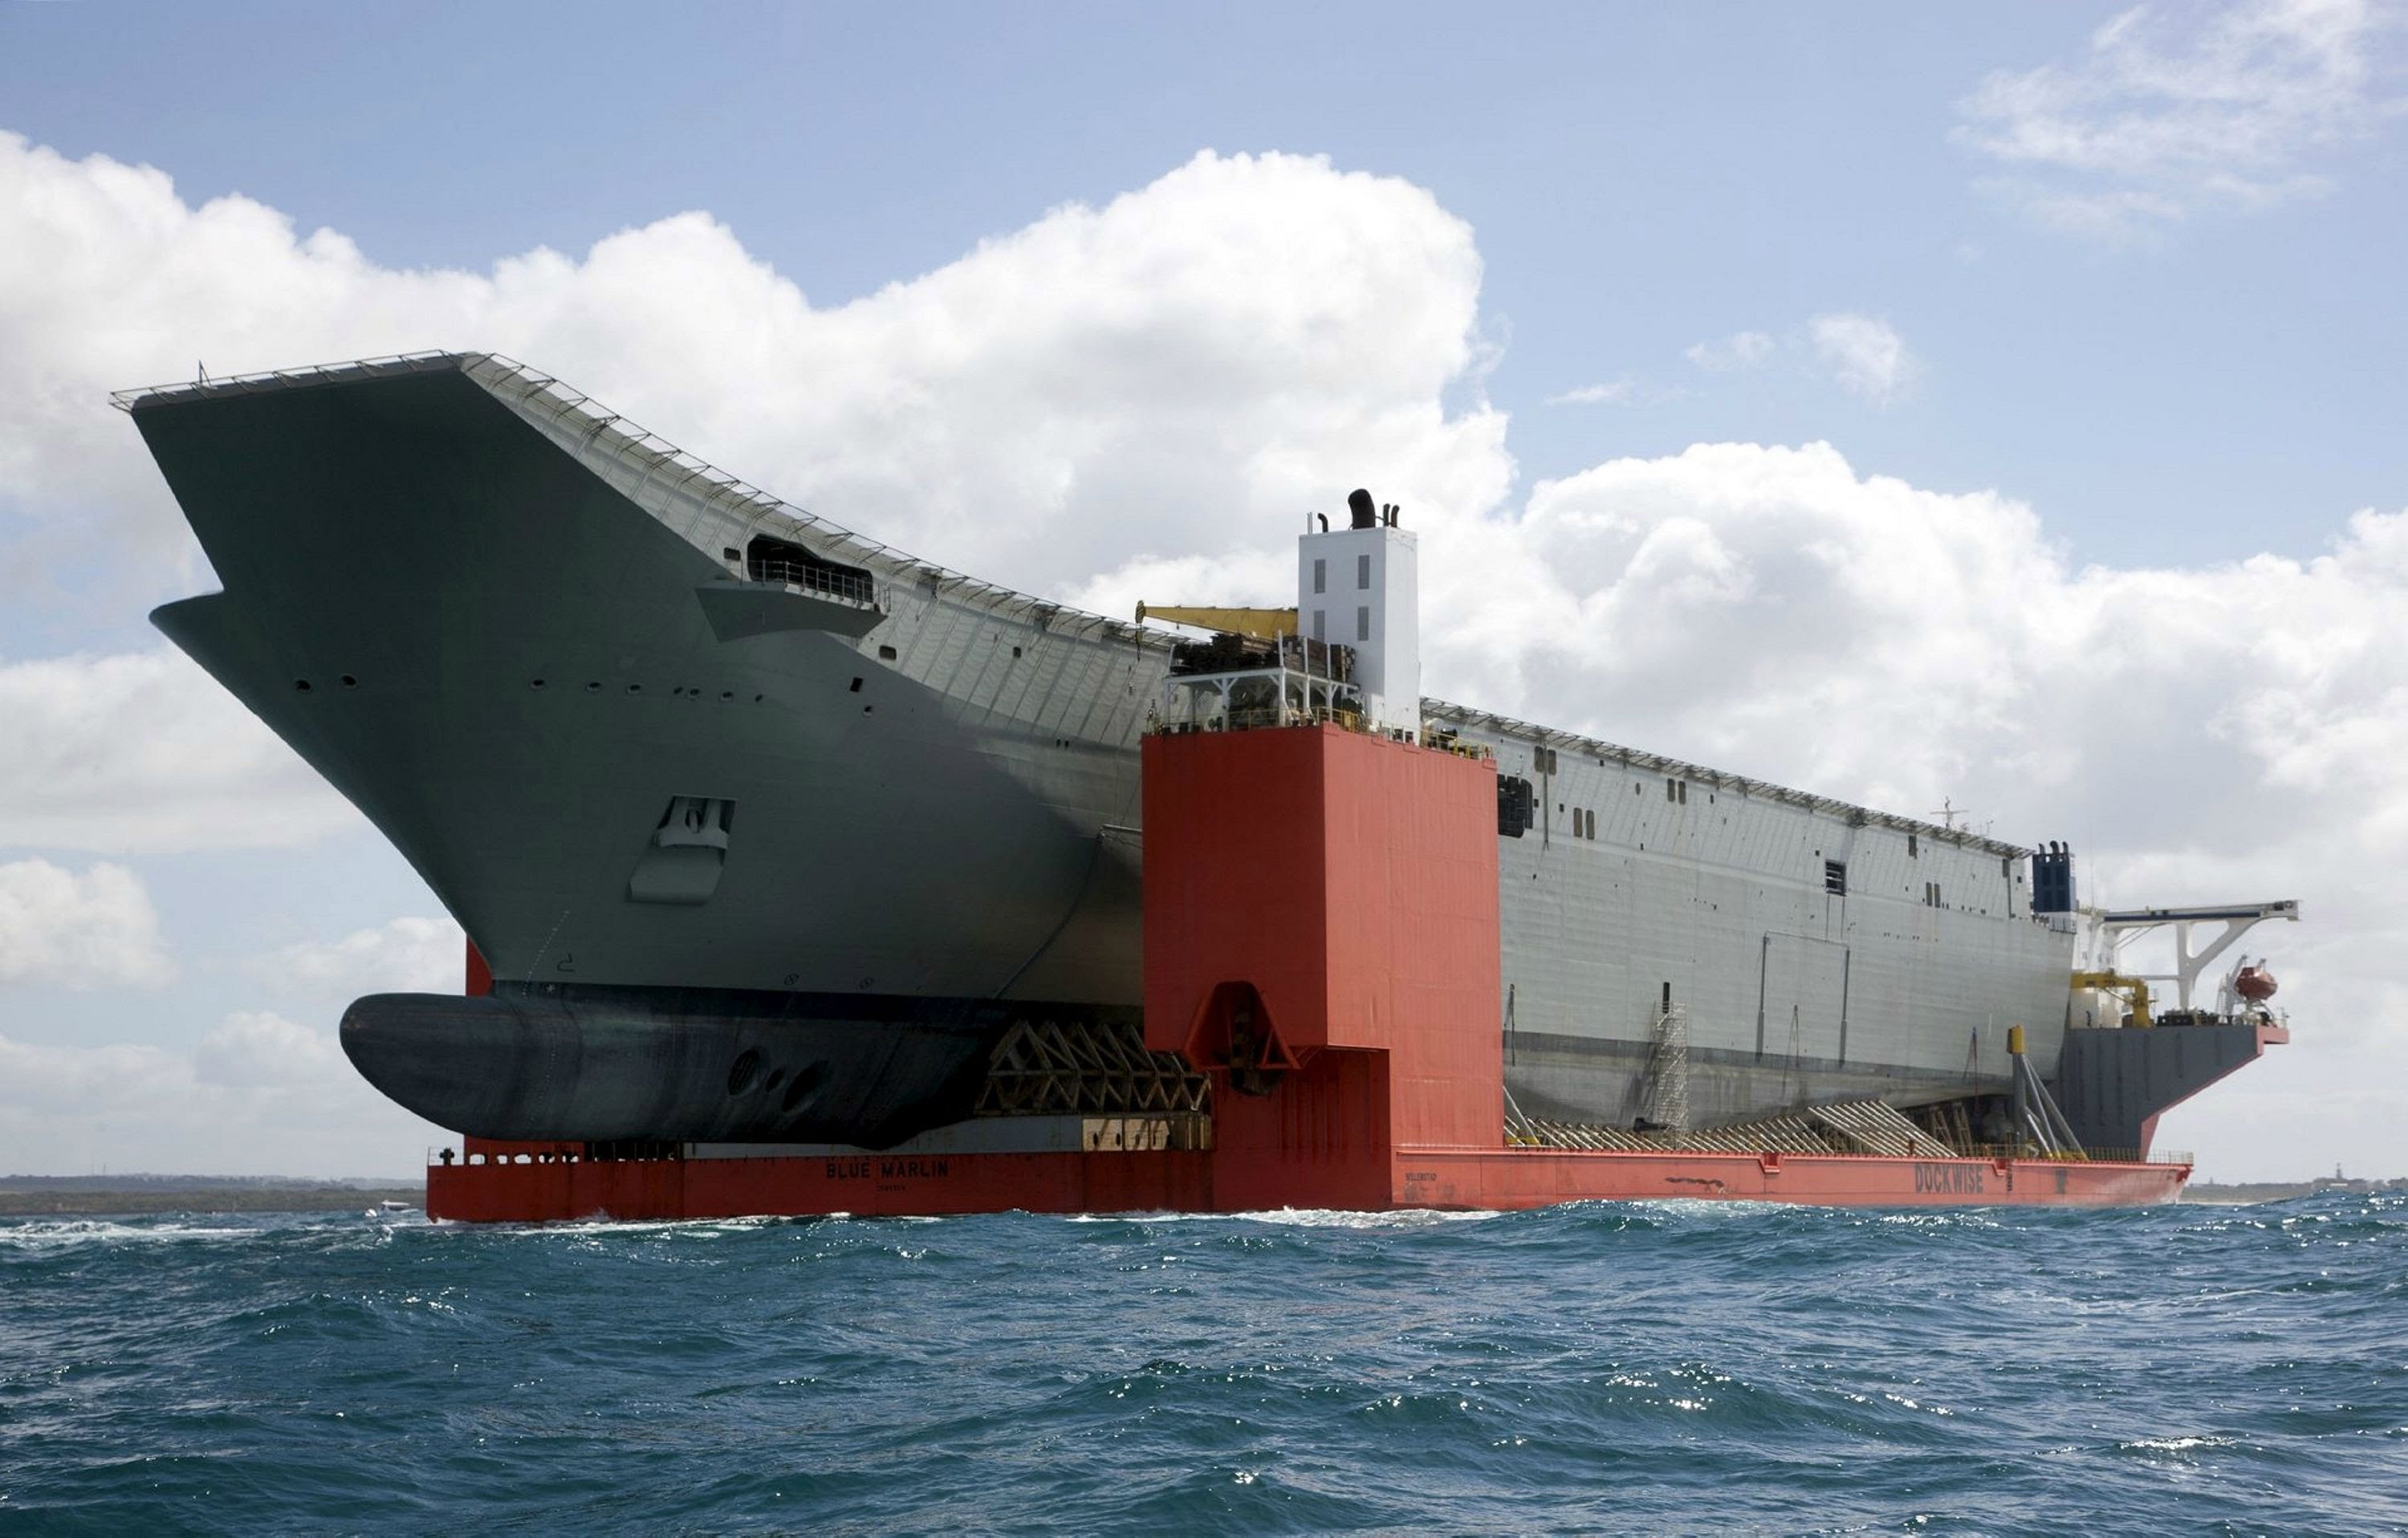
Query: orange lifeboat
(2255, 983)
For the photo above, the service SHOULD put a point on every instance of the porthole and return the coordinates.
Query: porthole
(301, 686)
(805, 1084)
(742, 1072)
(348, 682)
(532, 684)
(594, 688)
(634, 688)
(726, 694)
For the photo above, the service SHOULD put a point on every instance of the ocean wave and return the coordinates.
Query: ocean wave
(1606, 1366)
(78, 1233)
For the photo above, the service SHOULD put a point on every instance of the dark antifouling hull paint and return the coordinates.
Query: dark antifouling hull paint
(610, 1064)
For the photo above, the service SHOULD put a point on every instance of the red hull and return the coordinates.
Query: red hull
(875, 1185)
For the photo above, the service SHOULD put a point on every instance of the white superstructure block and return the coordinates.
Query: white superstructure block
(1361, 588)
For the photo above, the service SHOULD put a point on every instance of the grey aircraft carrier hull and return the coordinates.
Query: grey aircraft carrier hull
(852, 814)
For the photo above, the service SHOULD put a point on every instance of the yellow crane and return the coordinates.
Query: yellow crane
(2131, 987)
(1261, 624)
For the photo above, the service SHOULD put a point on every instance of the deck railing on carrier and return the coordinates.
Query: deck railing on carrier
(713, 492)
(837, 583)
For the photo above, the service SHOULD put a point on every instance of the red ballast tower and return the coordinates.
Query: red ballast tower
(1321, 950)
(1321, 939)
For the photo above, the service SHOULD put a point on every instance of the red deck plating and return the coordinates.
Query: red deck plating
(1322, 938)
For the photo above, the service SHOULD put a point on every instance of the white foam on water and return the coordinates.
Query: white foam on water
(1402, 1217)
(1301, 1217)
(1720, 1209)
(63, 1234)
(2176, 1444)
(594, 1228)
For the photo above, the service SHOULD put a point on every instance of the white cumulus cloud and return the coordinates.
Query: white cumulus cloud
(406, 956)
(142, 752)
(1621, 392)
(2176, 110)
(1612, 392)
(255, 1095)
(252, 1049)
(1740, 350)
(67, 930)
(1192, 360)
(1866, 356)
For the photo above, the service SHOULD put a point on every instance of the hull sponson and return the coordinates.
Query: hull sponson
(2112, 1084)
(493, 591)
(610, 1064)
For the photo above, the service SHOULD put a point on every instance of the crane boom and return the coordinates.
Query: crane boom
(1261, 624)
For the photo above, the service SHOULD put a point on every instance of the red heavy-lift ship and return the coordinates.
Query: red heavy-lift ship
(1321, 972)
(1313, 1013)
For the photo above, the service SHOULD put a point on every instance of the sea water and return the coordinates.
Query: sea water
(1603, 1367)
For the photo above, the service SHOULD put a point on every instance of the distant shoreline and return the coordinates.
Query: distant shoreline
(137, 1196)
(2207, 1193)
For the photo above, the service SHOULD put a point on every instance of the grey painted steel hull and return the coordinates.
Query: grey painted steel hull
(2112, 1084)
(1717, 896)
(512, 633)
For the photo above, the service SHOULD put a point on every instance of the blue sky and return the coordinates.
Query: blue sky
(2171, 333)
(1641, 177)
